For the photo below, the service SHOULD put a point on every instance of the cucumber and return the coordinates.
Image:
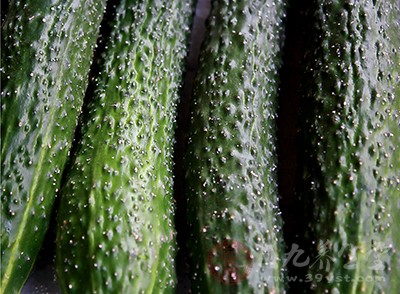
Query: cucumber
(46, 53)
(115, 226)
(231, 178)
(350, 130)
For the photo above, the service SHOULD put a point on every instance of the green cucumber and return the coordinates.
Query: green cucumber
(115, 223)
(47, 48)
(235, 226)
(351, 147)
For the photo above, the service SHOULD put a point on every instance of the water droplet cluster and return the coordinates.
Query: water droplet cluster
(46, 54)
(116, 207)
(351, 139)
(231, 159)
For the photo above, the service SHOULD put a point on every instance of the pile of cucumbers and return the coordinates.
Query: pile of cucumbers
(89, 95)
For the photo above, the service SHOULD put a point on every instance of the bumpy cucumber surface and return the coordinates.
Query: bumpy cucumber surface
(46, 54)
(235, 241)
(115, 230)
(351, 139)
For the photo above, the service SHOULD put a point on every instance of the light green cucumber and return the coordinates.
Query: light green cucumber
(116, 231)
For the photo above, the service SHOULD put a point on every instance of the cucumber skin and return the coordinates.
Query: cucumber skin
(44, 77)
(231, 157)
(351, 147)
(115, 232)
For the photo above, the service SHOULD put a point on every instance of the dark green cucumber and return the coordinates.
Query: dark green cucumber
(351, 139)
(236, 243)
(116, 230)
(47, 48)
